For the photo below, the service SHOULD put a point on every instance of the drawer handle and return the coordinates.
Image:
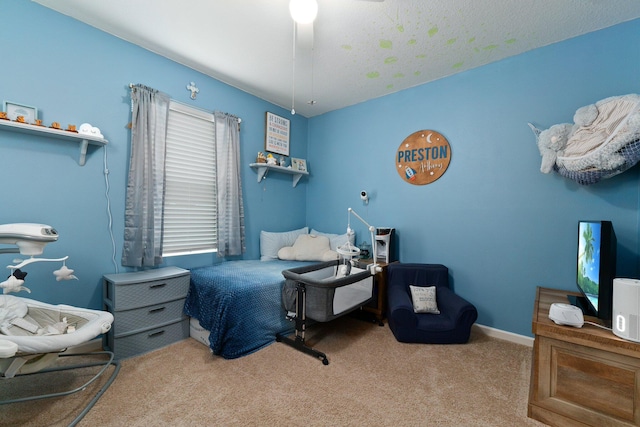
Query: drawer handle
(155, 334)
(155, 310)
(158, 285)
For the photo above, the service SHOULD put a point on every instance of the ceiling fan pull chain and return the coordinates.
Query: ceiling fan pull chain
(293, 73)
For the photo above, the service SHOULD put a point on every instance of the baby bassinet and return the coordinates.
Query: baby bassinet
(320, 292)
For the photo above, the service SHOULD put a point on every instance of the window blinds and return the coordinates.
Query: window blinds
(190, 223)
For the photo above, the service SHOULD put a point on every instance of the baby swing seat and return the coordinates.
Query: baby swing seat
(34, 335)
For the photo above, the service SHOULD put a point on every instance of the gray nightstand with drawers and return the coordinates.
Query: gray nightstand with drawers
(147, 307)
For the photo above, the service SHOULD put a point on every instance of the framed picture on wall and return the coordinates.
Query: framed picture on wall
(14, 110)
(299, 164)
(277, 130)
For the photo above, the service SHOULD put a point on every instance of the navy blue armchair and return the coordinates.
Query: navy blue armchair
(451, 326)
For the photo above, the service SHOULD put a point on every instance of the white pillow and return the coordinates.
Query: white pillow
(270, 242)
(308, 247)
(336, 240)
(424, 299)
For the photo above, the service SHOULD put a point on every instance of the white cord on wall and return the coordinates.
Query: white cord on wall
(106, 193)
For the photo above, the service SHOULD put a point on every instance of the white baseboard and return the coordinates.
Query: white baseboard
(504, 335)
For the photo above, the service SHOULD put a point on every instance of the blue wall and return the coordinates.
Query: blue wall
(73, 74)
(501, 226)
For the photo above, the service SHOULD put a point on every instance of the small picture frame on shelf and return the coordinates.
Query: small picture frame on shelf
(13, 110)
(299, 164)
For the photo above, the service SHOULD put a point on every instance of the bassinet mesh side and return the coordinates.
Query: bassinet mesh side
(327, 296)
(319, 301)
(631, 153)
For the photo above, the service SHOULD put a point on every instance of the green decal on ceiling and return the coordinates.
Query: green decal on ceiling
(452, 41)
(391, 60)
(491, 47)
(400, 28)
(417, 73)
(433, 31)
(412, 42)
(421, 56)
(510, 41)
(346, 47)
(398, 75)
(386, 44)
(471, 40)
(458, 65)
(373, 75)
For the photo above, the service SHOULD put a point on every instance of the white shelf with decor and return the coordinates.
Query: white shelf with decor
(66, 135)
(263, 169)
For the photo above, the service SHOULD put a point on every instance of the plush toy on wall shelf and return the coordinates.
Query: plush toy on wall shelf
(603, 141)
(551, 143)
(271, 160)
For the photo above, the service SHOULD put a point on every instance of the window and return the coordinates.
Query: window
(190, 222)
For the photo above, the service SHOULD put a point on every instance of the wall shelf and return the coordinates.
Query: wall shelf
(263, 169)
(43, 131)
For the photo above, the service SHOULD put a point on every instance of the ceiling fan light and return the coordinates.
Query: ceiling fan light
(303, 11)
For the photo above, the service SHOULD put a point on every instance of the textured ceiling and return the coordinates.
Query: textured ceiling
(356, 50)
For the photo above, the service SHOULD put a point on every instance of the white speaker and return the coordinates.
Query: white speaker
(625, 321)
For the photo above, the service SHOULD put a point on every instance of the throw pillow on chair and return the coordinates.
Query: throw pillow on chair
(424, 299)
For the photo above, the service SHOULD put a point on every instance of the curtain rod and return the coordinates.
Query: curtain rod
(131, 86)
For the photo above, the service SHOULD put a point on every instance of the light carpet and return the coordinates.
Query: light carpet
(371, 380)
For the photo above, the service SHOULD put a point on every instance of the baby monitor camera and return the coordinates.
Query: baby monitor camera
(364, 196)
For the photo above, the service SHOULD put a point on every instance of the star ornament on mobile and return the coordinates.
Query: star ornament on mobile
(423, 157)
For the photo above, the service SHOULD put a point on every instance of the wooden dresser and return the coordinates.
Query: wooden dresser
(581, 376)
(148, 310)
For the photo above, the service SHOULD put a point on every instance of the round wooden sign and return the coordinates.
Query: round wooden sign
(423, 157)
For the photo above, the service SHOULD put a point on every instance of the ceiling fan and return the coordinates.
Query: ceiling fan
(303, 13)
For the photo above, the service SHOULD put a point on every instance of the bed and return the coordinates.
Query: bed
(240, 304)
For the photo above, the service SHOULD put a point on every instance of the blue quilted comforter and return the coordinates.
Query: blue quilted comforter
(240, 303)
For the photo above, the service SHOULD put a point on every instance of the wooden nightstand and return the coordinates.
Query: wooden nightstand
(378, 305)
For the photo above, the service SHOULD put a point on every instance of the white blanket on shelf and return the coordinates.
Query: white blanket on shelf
(612, 114)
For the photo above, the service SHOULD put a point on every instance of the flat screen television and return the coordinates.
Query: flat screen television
(596, 269)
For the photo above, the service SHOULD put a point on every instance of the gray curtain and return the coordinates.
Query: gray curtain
(231, 240)
(145, 185)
